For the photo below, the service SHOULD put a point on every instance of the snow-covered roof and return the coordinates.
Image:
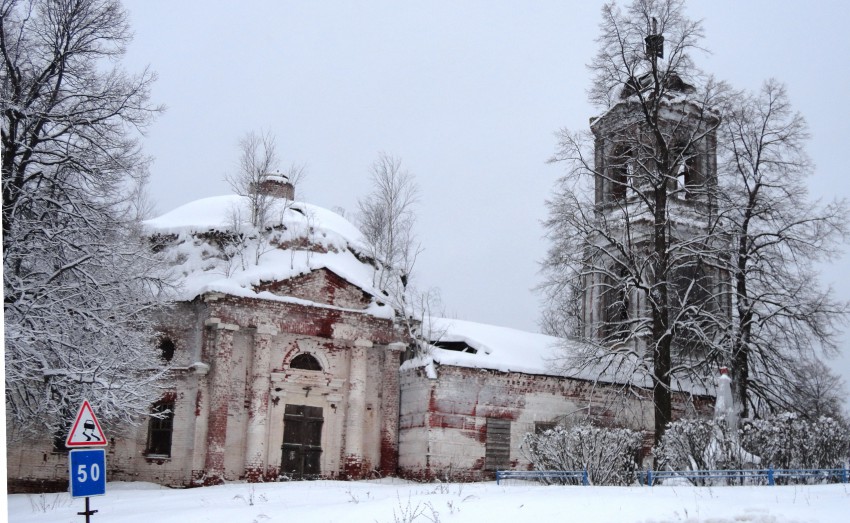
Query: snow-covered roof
(511, 350)
(297, 238)
(496, 348)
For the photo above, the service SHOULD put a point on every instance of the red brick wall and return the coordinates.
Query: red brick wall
(320, 286)
(443, 421)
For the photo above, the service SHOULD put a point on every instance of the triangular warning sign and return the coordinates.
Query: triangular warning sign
(86, 431)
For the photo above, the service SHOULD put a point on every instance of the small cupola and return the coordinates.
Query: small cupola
(276, 185)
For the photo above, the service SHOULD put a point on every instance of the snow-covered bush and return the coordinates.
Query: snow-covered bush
(608, 455)
(788, 441)
(783, 442)
(699, 444)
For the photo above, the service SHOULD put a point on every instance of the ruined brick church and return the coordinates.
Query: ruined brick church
(287, 361)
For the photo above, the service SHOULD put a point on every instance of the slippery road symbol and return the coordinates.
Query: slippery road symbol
(86, 431)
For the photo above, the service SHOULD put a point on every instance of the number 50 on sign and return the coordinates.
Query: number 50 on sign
(88, 472)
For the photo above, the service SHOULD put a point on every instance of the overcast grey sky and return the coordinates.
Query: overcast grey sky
(468, 94)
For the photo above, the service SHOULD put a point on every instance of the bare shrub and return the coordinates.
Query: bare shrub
(607, 454)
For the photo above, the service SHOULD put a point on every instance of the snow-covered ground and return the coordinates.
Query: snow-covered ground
(393, 500)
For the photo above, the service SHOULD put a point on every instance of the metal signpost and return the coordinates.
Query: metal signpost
(86, 466)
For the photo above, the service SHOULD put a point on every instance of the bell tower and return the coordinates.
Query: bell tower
(638, 155)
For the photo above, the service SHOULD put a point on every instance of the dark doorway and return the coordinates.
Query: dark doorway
(302, 442)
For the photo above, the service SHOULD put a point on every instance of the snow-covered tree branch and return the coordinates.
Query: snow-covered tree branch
(79, 283)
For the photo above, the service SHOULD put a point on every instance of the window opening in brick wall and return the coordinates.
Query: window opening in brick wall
(59, 438)
(160, 428)
(305, 362)
(542, 426)
(166, 348)
(497, 448)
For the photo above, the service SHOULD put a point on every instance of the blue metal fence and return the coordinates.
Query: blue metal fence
(767, 476)
(649, 477)
(542, 475)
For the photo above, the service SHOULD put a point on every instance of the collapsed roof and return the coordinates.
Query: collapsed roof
(212, 247)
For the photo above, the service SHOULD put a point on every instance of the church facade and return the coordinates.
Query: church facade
(287, 362)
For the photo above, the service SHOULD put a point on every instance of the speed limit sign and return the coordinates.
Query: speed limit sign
(88, 472)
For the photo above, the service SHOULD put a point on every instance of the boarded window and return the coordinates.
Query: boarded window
(497, 452)
(302, 441)
(305, 362)
(160, 428)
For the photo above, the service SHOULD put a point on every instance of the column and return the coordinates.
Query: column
(256, 440)
(390, 397)
(219, 397)
(355, 418)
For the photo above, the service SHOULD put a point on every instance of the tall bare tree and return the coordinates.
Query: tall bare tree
(817, 391)
(78, 282)
(387, 217)
(634, 243)
(783, 316)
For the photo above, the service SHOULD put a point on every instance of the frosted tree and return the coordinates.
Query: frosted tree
(78, 282)
(635, 266)
(783, 316)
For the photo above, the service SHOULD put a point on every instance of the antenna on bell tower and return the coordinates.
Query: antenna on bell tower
(654, 42)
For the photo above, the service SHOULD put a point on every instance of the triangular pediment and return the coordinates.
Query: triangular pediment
(320, 286)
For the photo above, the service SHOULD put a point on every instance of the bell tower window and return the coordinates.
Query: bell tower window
(689, 178)
(615, 306)
(619, 174)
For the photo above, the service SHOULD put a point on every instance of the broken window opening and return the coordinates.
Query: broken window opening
(542, 426)
(59, 438)
(456, 346)
(160, 429)
(166, 348)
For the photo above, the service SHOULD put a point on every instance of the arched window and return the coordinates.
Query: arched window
(689, 179)
(305, 361)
